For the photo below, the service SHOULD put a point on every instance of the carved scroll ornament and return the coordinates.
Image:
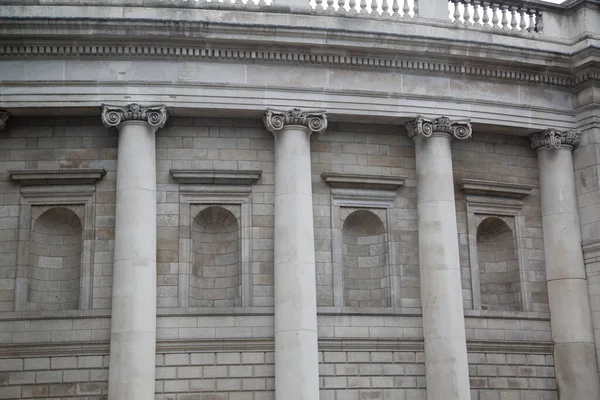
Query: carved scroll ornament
(427, 127)
(154, 115)
(554, 139)
(4, 115)
(315, 120)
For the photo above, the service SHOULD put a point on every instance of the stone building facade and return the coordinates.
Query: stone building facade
(294, 200)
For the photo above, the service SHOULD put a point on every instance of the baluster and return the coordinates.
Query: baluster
(531, 26)
(486, 17)
(513, 18)
(456, 11)
(318, 7)
(415, 9)
(405, 9)
(467, 13)
(396, 8)
(353, 6)
(330, 5)
(384, 8)
(363, 7)
(495, 16)
(476, 17)
(523, 19)
(539, 26)
(341, 8)
(504, 17)
(374, 7)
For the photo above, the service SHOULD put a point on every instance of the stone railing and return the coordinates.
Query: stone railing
(204, 3)
(367, 8)
(514, 16)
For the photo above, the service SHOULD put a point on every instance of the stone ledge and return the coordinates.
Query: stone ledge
(357, 181)
(40, 177)
(495, 189)
(240, 345)
(215, 177)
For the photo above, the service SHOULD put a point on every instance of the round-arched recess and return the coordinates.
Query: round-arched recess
(216, 272)
(499, 274)
(364, 256)
(55, 261)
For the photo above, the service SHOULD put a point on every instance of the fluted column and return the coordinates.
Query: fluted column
(296, 352)
(571, 320)
(447, 372)
(133, 319)
(4, 115)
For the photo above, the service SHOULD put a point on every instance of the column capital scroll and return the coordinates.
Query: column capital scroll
(275, 120)
(113, 115)
(4, 116)
(421, 126)
(554, 139)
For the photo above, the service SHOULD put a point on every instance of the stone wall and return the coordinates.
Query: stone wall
(369, 349)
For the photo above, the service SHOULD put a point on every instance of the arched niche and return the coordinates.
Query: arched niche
(499, 274)
(56, 247)
(216, 275)
(366, 278)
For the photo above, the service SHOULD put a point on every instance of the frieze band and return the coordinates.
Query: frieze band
(155, 115)
(555, 139)
(315, 120)
(460, 129)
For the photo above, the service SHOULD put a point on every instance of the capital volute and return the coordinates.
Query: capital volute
(555, 139)
(155, 115)
(421, 126)
(276, 120)
(4, 116)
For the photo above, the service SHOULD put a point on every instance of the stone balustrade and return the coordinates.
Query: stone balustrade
(508, 16)
(367, 8)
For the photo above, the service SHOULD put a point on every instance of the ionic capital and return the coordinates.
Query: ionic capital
(555, 139)
(155, 115)
(4, 115)
(275, 120)
(460, 129)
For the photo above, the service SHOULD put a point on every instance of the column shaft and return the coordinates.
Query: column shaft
(296, 353)
(574, 351)
(133, 319)
(441, 292)
(296, 342)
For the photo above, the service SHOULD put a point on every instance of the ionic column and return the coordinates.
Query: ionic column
(133, 319)
(571, 320)
(296, 353)
(447, 372)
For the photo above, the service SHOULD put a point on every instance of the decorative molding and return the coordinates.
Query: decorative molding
(40, 177)
(554, 139)
(155, 115)
(495, 189)
(275, 120)
(4, 116)
(357, 181)
(288, 57)
(460, 129)
(267, 344)
(215, 177)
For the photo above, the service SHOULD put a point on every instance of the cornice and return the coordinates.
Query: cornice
(215, 177)
(357, 181)
(71, 176)
(173, 52)
(495, 189)
(267, 344)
